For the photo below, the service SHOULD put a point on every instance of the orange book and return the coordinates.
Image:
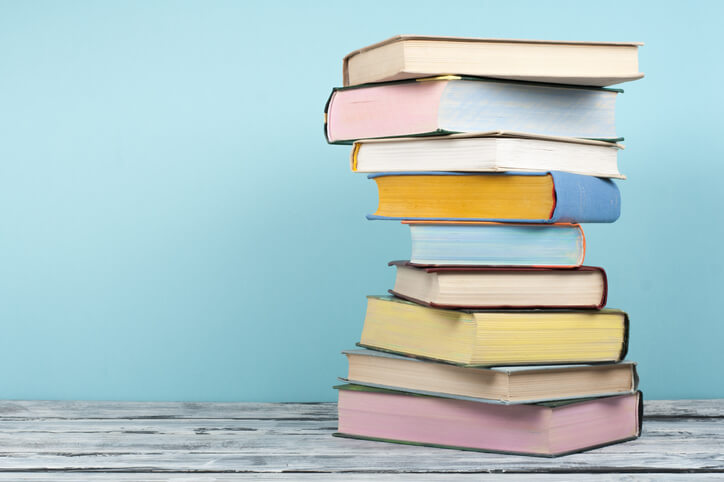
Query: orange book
(553, 197)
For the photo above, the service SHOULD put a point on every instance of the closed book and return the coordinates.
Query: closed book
(554, 197)
(461, 243)
(490, 287)
(457, 105)
(506, 385)
(495, 337)
(488, 152)
(546, 429)
(565, 62)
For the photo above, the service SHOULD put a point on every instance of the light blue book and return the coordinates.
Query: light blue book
(491, 244)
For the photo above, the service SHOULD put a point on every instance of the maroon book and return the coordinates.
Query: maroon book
(480, 287)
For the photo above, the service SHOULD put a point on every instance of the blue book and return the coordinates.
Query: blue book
(457, 243)
(546, 197)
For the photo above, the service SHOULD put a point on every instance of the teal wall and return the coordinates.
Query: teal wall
(174, 227)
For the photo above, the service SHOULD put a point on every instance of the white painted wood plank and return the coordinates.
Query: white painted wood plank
(328, 454)
(684, 408)
(388, 463)
(82, 410)
(115, 476)
(261, 436)
(273, 438)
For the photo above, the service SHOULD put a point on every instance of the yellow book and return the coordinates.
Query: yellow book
(553, 197)
(472, 196)
(490, 338)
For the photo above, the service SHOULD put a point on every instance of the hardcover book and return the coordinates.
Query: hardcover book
(487, 152)
(454, 105)
(545, 429)
(554, 197)
(460, 243)
(495, 337)
(490, 287)
(506, 385)
(563, 62)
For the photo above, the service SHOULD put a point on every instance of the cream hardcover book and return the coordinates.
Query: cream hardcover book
(550, 61)
(497, 151)
(506, 384)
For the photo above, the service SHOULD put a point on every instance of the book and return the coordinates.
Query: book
(546, 429)
(414, 56)
(488, 152)
(461, 243)
(495, 337)
(453, 105)
(553, 197)
(490, 287)
(506, 385)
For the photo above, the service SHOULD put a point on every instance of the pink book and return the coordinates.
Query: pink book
(453, 104)
(546, 429)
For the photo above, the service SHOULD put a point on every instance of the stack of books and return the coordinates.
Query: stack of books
(495, 336)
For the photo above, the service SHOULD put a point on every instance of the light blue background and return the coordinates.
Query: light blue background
(173, 225)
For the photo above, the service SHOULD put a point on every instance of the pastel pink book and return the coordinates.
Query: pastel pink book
(453, 104)
(550, 429)
(383, 111)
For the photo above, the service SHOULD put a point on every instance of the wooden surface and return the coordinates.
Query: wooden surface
(122, 441)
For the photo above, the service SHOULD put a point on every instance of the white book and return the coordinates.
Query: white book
(551, 61)
(498, 151)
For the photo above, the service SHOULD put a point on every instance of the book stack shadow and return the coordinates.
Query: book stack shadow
(495, 336)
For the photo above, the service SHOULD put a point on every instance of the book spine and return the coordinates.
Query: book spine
(326, 116)
(585, 199)
(624, 345)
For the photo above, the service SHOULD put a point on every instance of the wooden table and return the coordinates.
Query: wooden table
(234, 441)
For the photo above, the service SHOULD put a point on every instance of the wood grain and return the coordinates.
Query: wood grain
(41, 440)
